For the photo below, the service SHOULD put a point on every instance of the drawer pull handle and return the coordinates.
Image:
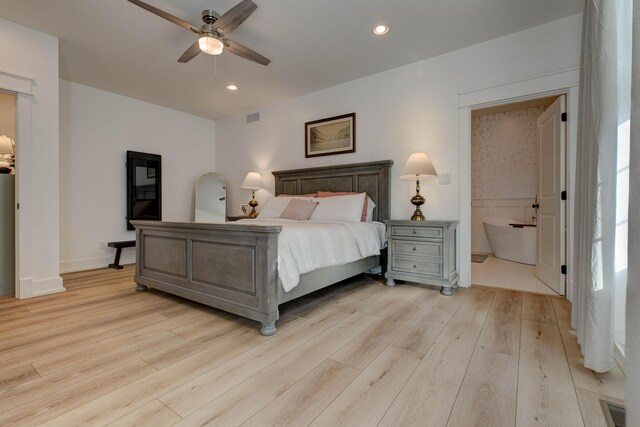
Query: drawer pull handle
(415, 231)
(414, 248)
(415, 266)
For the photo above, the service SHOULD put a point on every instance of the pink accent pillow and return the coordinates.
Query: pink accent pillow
(299, 209)
(347, 193)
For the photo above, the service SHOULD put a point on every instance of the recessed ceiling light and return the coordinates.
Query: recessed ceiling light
(232, 87)
(380, 30)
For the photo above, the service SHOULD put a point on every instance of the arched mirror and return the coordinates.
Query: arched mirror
(211, 198)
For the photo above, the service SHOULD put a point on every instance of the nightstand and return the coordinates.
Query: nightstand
(422, 252)
(237, 217)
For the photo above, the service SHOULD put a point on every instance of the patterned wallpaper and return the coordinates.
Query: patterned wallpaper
(503, 154)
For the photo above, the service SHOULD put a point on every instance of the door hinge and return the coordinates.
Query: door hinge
(563, 195)
(563, 269)
(563, 117)
(18, 206)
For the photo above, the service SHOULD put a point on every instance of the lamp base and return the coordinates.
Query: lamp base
(253, 203)
(417, 201)
(417, 215)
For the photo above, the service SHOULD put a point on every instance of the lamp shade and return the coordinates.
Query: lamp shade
(418, 167)
(7, 146)
(210, 44)
(253, 181)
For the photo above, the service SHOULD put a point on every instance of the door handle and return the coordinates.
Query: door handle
(536, 206)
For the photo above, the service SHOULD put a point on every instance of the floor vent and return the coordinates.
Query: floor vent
(613, 414)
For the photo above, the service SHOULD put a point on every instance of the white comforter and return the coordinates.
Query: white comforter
(304, 246)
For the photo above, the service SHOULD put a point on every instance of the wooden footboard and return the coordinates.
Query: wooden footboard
(229, 267)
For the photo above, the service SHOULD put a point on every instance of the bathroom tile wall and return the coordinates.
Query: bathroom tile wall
(503, 154)
(7, 115)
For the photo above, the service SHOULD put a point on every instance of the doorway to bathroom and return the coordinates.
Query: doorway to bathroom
(518, 212)
(7, 194)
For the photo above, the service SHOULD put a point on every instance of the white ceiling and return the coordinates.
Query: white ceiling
(119, 47)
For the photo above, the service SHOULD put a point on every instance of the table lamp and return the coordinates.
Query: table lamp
(253, 182)
(420, 168)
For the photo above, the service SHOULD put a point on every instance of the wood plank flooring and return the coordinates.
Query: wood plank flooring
(356, 354)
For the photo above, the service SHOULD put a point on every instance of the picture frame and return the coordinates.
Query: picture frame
(333, 135)
(245, 209)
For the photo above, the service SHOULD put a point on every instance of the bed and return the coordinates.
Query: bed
(233, 267)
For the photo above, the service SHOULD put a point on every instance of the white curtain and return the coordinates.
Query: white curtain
(596, 168)
(632, 330)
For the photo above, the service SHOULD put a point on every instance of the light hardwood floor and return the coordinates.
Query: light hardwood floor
(357, 354)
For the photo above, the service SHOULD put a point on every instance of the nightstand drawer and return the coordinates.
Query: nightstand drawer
(405, 247)
(432, 232)
(422, 266)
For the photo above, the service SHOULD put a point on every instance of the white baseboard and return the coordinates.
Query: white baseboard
(94, 263)
(25, 288)
(30, 288)
(47, 286)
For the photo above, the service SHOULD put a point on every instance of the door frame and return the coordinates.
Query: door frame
(563, 82)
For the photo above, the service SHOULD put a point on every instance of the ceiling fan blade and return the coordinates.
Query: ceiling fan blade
(245, 52)
(235, 16)
(190, 53)
(169, 17)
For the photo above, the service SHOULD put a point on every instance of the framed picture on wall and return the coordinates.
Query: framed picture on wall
(334, 135)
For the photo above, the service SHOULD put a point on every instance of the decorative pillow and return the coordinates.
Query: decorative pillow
(299, 209)
(367, 208)
(273, 206)
(339, 208)
(298, 195)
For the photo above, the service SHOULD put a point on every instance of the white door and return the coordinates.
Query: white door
(551, 211)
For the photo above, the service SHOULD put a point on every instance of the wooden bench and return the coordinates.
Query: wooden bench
(119, 246)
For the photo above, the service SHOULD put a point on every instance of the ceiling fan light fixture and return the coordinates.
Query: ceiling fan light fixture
(380, 30)
(210, 44)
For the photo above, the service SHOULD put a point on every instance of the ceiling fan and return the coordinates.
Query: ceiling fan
(212, 35)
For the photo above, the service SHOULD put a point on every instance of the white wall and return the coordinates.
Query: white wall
(28, 53)
(96, 130)
(407, 109)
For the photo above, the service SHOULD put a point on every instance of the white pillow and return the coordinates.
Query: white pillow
(339, 208)
(370, 207)
(274, 206)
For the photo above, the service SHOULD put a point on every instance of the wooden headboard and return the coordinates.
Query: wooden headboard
(373, 178)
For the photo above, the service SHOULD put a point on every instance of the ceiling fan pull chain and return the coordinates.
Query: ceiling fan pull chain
(214, 68)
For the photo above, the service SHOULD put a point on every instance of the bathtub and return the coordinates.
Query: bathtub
(513, 244)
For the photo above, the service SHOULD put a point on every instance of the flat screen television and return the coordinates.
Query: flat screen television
(144, 187)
